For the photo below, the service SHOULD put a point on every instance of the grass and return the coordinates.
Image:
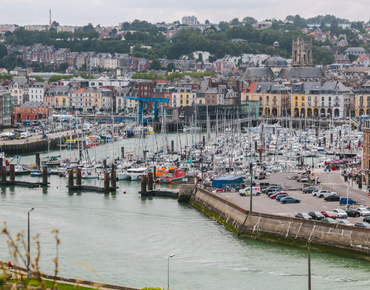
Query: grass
(49, 284)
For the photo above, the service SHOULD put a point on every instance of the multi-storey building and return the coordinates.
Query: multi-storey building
(273, 98)
(37, 91)
(362, 100)
(19, 89)
(92, 99)
(61, 100)
(6, 108)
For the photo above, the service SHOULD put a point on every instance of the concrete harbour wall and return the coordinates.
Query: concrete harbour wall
(338, 239)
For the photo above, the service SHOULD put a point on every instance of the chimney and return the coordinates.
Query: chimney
(28, 79)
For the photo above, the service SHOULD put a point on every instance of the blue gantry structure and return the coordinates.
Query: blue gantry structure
(144, 99)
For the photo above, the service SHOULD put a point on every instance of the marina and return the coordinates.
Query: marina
(126, 231)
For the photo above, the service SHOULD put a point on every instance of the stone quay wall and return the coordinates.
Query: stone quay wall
(333, 238)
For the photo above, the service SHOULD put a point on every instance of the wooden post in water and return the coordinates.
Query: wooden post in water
(80, 150)
(150, 180)
(204, 141)
(45, 175)
(113, 177)
(3, 173)
(105, 164)
(70, 177)
(38, 160)
(154, 172)
(143, 183)
(123, 152)
(78, 176)
(12, 172)
(172, 146)
(1, 163)
(106, 181)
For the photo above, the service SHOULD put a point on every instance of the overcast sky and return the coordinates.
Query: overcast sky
(111, 12)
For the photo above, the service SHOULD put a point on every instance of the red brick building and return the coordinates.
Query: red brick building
(31, 111)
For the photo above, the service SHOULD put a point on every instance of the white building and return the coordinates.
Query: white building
(37, 91)
(189, 20)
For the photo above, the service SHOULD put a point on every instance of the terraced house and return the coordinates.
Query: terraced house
(273, 98)
(362, 100)
(92, 99)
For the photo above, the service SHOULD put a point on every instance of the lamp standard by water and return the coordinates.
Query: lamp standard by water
(28, 251)
(168, 272)
(309, 261)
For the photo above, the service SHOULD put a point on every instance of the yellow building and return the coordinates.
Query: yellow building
(92, 98)
(61, 100)
(362, 100)
(273, 98)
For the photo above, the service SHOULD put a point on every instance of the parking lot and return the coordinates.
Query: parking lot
(308, 202)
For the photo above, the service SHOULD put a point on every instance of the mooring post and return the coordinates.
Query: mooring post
(45, 175)
(12, 172)
(38, 160)
(106, 181)
(113, 177)
(70, 178)
(154, 172)
(150, 180)
(204, 141)
(105, 164)
(172, 146)
(143, 183)
(123, 152)
(3, 173)
(78, 176)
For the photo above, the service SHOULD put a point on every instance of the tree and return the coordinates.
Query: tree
(171, 66)
(7, 34)
(200, 57)
(234, 22)
(250, 20)
(63, 66)
(88, 28)
(207, 22)
(3, 50)
(156, 65)
(55, 24)
(114, 31)
(352, 57)
(223, 25)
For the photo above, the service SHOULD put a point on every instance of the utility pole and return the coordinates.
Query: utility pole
(251, 190)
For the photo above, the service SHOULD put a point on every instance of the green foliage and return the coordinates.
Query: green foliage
(57, 78)
(196, 75)
(352, 57)
(6, 76)
(148, 76)
(3, 50)
(171, 66)
(11, 61)
(250, 20)
(38, 78)
(156, 65)
(63, 66)
(151, 288)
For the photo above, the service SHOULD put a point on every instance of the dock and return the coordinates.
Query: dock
(158, 192)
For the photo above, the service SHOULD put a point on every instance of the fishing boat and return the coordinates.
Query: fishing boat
(51, 161)
(174, 175)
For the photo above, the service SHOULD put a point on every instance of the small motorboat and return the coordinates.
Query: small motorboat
(89, 175)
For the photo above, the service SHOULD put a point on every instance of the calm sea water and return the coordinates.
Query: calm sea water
(125, 239)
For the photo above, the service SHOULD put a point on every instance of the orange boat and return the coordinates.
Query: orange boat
(174, 175)
(160, 171)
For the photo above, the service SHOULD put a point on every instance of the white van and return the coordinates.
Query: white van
(245, 191)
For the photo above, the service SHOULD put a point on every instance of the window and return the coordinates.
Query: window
(296, 104)
(296, 98)
(181, 102)
(187, 101)
(309, 98)
(329, 99)
(322, 99)
(302, 98)
(315, 98)
(302, 104)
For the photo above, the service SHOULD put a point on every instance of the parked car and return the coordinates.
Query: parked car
(290, 199)
(332, 198)
(362, 225)
(326, 194)
(329, 214)
(272, 191)
(329, 220)
(341, 214)
(343, 200)
(246, 191)
(279, 197)
(366, 219)
(353, 213)
(270, 188)
(345, 222)
(309, 189)
(316, 215)
(363, 211)
(272, 196)
(318, 192)
(303, 215)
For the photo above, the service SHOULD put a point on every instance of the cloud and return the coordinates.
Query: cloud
(111, 12)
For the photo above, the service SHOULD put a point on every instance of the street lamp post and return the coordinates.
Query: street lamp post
(309, 261)
(28, 250)
(168, 272)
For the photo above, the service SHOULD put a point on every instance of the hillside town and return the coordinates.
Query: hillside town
(90, 81)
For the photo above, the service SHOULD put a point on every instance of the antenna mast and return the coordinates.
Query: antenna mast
(50, 17)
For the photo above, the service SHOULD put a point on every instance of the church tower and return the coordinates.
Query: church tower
(301, 53)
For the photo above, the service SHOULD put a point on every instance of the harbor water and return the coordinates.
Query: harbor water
(125, 239)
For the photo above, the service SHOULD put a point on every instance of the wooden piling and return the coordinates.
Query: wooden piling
(45, 175)
(113, 178)
(150, 180)
(38, 160)
(70, 178)
(143, 183)
(105, 164)
(154, 172)
(78, 176)
(3, 173)
(12, 172)
(172, 146)
(123, 152)
(106, 181)
(204, 141)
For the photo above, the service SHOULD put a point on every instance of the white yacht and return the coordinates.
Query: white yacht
(136, 173)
